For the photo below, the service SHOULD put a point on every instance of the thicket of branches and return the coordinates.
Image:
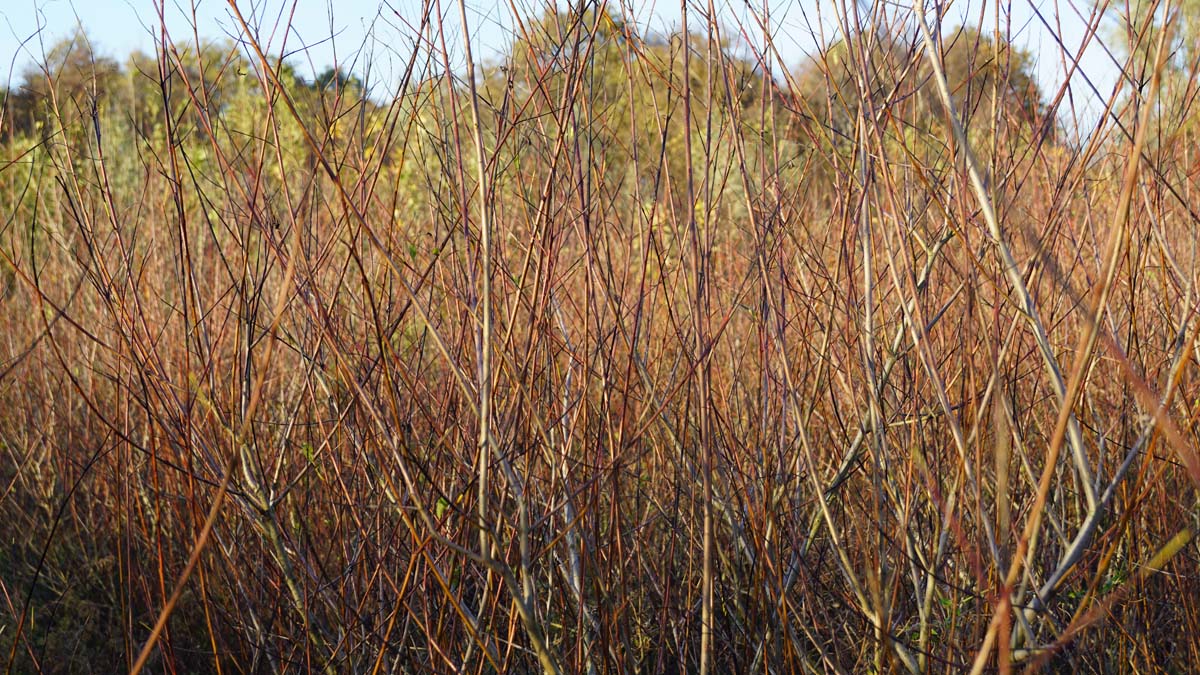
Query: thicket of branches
(623, 351)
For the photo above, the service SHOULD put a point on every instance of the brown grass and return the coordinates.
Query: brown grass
(532, 370)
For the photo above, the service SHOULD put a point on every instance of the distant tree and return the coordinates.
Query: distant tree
(989, 82)
(983, 72)
(1137, 35)
(334, 80)
(833, 85)
(627, 88)
(199, 82)
(979, 70)
(64, 90)
(6, 116)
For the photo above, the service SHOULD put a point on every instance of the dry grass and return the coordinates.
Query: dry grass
(587, 366)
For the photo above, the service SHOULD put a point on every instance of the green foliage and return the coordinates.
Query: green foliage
(1137, 33)
(198, 84)
(62, 93)
(335, 80)
(992, 84)
(622, 91)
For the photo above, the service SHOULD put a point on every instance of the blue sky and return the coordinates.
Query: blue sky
(378, 31)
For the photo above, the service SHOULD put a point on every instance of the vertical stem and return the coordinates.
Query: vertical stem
(484, 307)
(700, 346)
